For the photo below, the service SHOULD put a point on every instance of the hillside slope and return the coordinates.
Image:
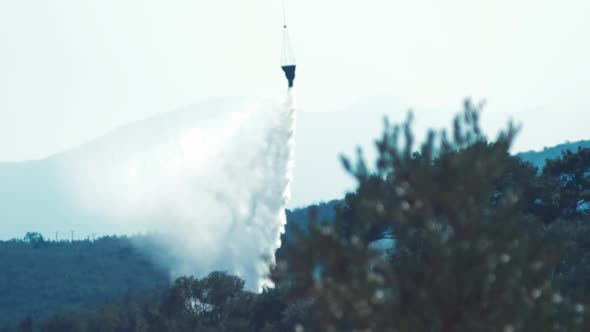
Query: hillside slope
(538, 158)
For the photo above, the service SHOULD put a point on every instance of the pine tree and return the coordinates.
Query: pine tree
(465, 257)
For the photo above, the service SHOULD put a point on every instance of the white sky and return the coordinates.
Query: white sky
(71, 70)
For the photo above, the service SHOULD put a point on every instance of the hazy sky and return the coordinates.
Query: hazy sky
(71, 70)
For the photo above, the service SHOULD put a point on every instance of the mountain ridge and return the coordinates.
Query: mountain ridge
(32, 197)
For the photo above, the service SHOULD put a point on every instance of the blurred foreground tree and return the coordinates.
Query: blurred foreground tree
(571, 274)
(463, 258)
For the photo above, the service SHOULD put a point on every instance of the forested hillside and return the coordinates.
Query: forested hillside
(538, 158)
(40, 277)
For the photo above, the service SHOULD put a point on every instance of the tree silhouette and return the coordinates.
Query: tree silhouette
(463, 258)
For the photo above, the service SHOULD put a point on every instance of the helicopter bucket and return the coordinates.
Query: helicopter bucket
(288, 56)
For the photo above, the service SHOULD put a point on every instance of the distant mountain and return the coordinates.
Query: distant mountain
(38, 195)
(538, 158)
(45, 196)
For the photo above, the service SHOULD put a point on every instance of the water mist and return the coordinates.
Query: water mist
(212, 189)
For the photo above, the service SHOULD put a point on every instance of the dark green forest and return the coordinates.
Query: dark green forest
(481, 240)
(41, 277)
